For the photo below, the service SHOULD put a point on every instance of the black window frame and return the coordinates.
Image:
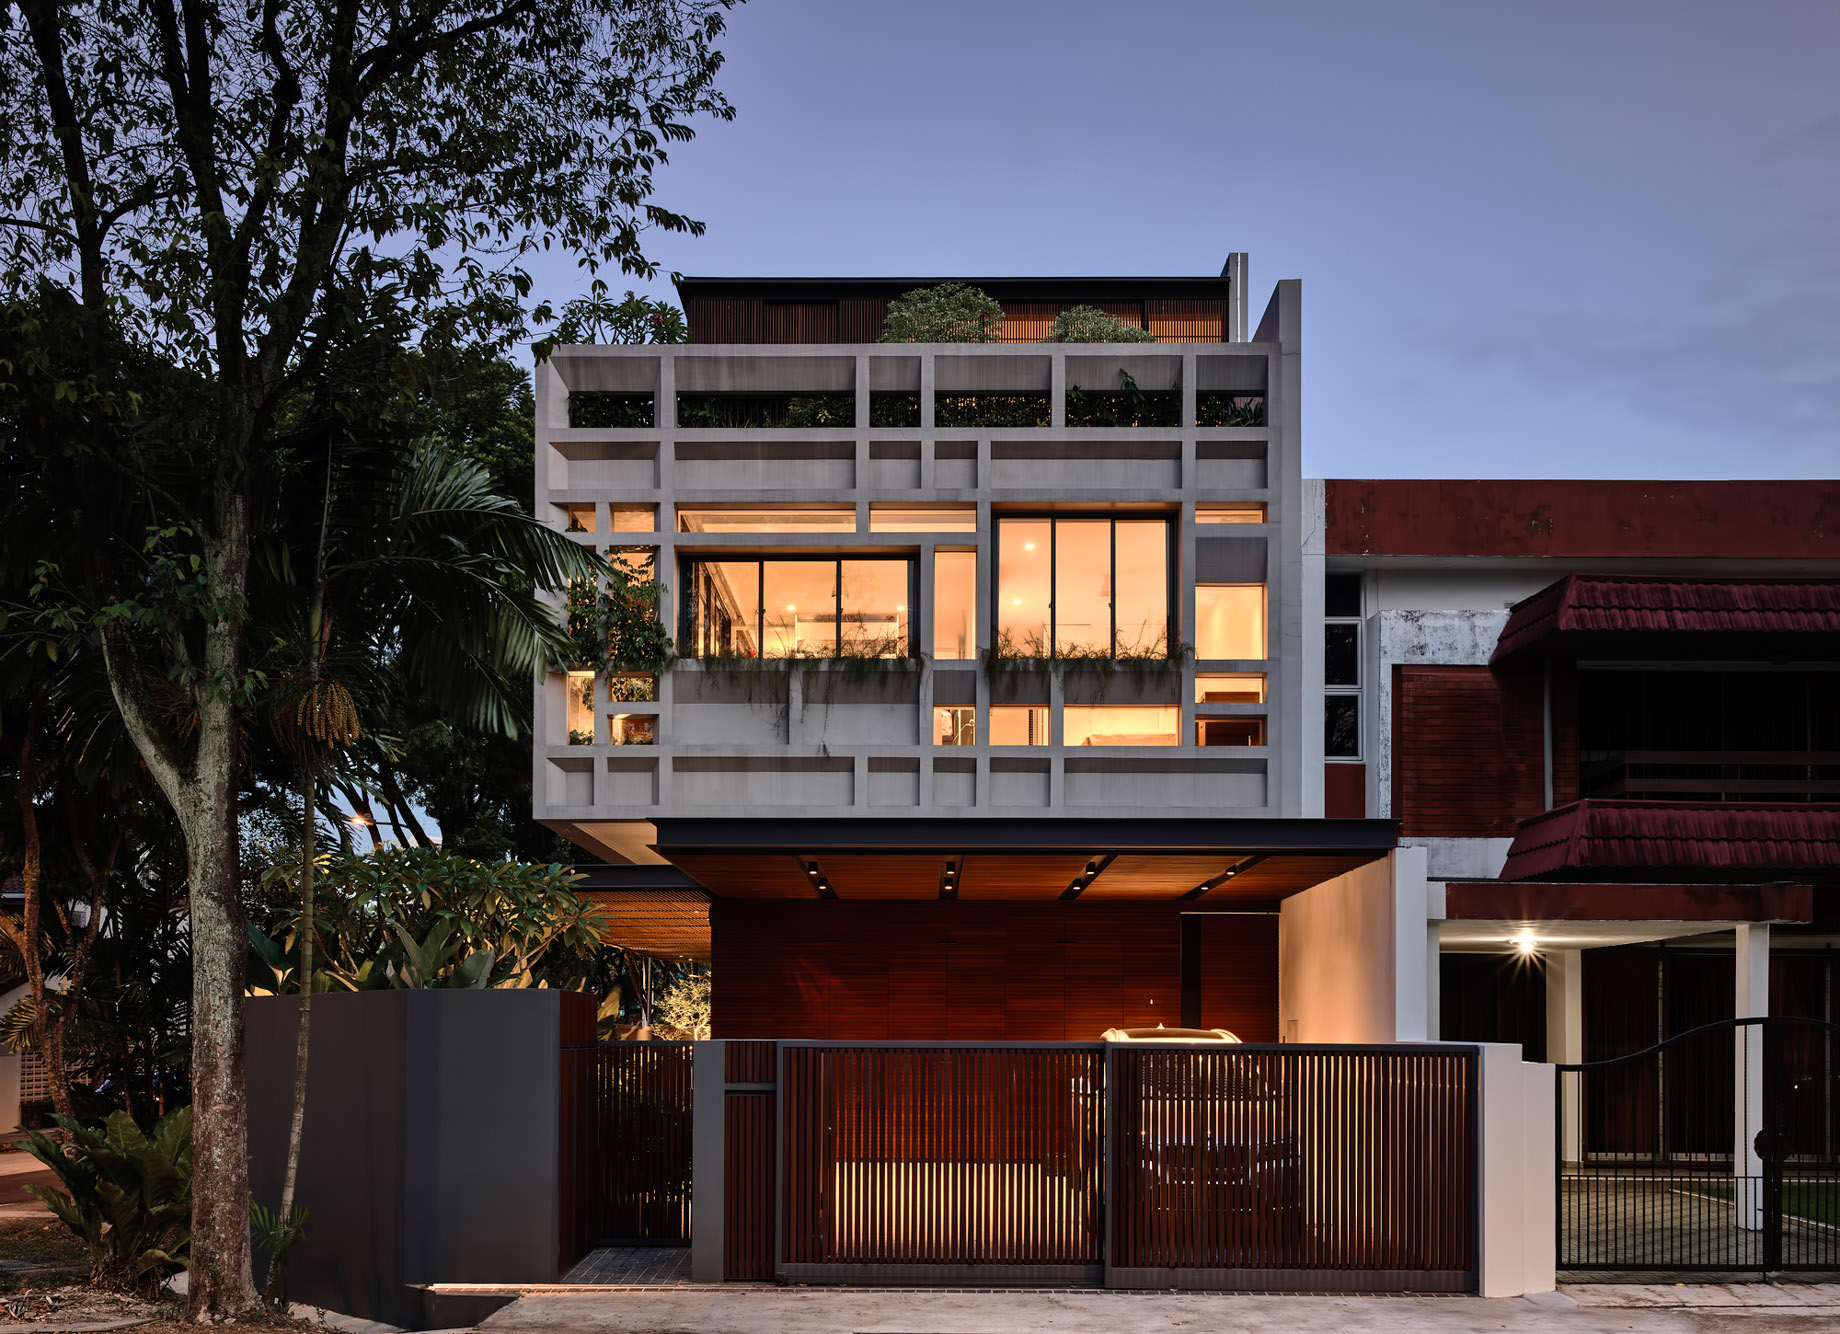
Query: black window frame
(688, 622)
(1342, 692)
(1053, 518)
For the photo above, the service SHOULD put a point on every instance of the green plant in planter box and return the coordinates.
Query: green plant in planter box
(127, 1194)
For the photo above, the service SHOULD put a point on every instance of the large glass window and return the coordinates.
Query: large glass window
(766, 519)
(1229, 621)
(580, 719)
(801, 608)
(955, 727)
(1120, 725)
(1018, 725)
(1082, 587)
(954, 605)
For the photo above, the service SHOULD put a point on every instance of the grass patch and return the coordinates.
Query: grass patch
(40, 1239)
(1811, 1201)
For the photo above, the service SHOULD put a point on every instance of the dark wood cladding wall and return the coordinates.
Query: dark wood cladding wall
(980, 972)
(1468, 750)
(627, 1144)
(747, 1186)
(859, 319)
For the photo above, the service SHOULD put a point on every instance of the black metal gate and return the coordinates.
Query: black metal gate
(1715, 1150)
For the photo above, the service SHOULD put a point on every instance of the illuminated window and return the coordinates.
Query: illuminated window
(873, 597)
(955, 605)
(1082, 587)
(801, 608)
(1241, 730)
(1120, 725)
(1229, 621)
(639, 563)
(766, 519)
(1229, 687)
(632, 688)
(577, 518)
(955, 727)
(634, 519)
(579, 718)
(632, 729)
(1018, 725)
(1246, 512)
(923, 518)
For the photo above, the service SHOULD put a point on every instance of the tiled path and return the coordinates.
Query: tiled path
(633, 1267)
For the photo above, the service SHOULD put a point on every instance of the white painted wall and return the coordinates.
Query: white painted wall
(1518, 1254)
(1353, 956)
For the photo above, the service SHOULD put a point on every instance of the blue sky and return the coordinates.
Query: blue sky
(1535, 240)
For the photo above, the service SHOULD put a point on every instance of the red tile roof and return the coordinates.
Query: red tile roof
(1587, 603)
(1662, 839)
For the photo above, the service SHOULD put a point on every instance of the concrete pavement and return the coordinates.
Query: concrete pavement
(1616, 1309)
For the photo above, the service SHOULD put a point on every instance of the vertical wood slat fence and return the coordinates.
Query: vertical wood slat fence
(1257, 1166)
(750, 1070)
(629, 1143)
(941, 1162)
(1343, 1169)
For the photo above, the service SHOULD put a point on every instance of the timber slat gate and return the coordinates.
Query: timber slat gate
(1266, 1167)
(1717, 1150)
(626, 1144)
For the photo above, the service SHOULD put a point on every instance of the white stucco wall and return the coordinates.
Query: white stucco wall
(1354, 958)
(1518, 1254)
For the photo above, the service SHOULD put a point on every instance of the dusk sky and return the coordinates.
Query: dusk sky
(1535, 240)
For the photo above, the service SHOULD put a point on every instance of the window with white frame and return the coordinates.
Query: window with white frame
(1342, 667)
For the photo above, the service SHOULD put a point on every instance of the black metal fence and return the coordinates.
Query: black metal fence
(1712, 1151)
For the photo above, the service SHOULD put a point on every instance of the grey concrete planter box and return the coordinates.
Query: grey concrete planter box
(430, 1152)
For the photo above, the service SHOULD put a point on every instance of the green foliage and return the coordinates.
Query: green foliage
(684, 1007)
(420, 917)
(1130, 406)
(598, 320)
(1014, 656)
(616, 627)
(276, 1239)
(894, 409)
(991, 410)
(734, 412)
(1089, 324)
(126, 1194)
(611, 410)
(948, 313)
(1214, 409)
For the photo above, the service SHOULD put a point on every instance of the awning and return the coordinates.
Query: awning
(1213, 863)
(1698, 841)
(1617, 615)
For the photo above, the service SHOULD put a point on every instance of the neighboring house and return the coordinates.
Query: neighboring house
(1275, 777)
(1610, 714)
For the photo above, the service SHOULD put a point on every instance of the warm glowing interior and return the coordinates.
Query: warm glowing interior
(923, 518)
(766, 519)
(579, 688)
(955, 727)
(954, 605)
(1229, 621)
(1018, 725)
(1121, 725)
(1236, 512)
(1229, 687)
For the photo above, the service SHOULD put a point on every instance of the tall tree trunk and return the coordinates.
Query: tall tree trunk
(201, 788)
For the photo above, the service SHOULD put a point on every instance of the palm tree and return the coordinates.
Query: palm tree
(422, 580)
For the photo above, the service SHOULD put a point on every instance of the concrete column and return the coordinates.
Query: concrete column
(1414, 957)
(1753, 1002)
(1565, 1035)
(1057, 390)
(708, 1113)
(1517, 1240)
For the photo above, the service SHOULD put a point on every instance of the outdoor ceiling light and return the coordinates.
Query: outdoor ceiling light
(1525, 942)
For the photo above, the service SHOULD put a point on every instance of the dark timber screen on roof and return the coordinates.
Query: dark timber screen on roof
(851, 310)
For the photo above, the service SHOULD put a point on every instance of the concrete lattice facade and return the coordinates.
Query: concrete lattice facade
(735, 739)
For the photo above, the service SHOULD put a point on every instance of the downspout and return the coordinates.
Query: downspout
(1546, 729)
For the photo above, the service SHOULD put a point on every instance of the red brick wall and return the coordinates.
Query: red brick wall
(1345, 791)
(933, 970)
(1468, 757)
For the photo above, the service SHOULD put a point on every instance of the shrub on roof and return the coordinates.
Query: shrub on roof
(1089, 324)
(948, 313)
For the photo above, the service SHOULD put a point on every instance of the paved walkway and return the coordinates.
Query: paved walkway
(633, 1266)
(1603, 1309)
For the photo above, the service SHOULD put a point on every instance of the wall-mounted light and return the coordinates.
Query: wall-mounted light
(1525, 943)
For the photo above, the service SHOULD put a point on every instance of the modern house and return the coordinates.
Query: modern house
(998, 707)
(1025, 690)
